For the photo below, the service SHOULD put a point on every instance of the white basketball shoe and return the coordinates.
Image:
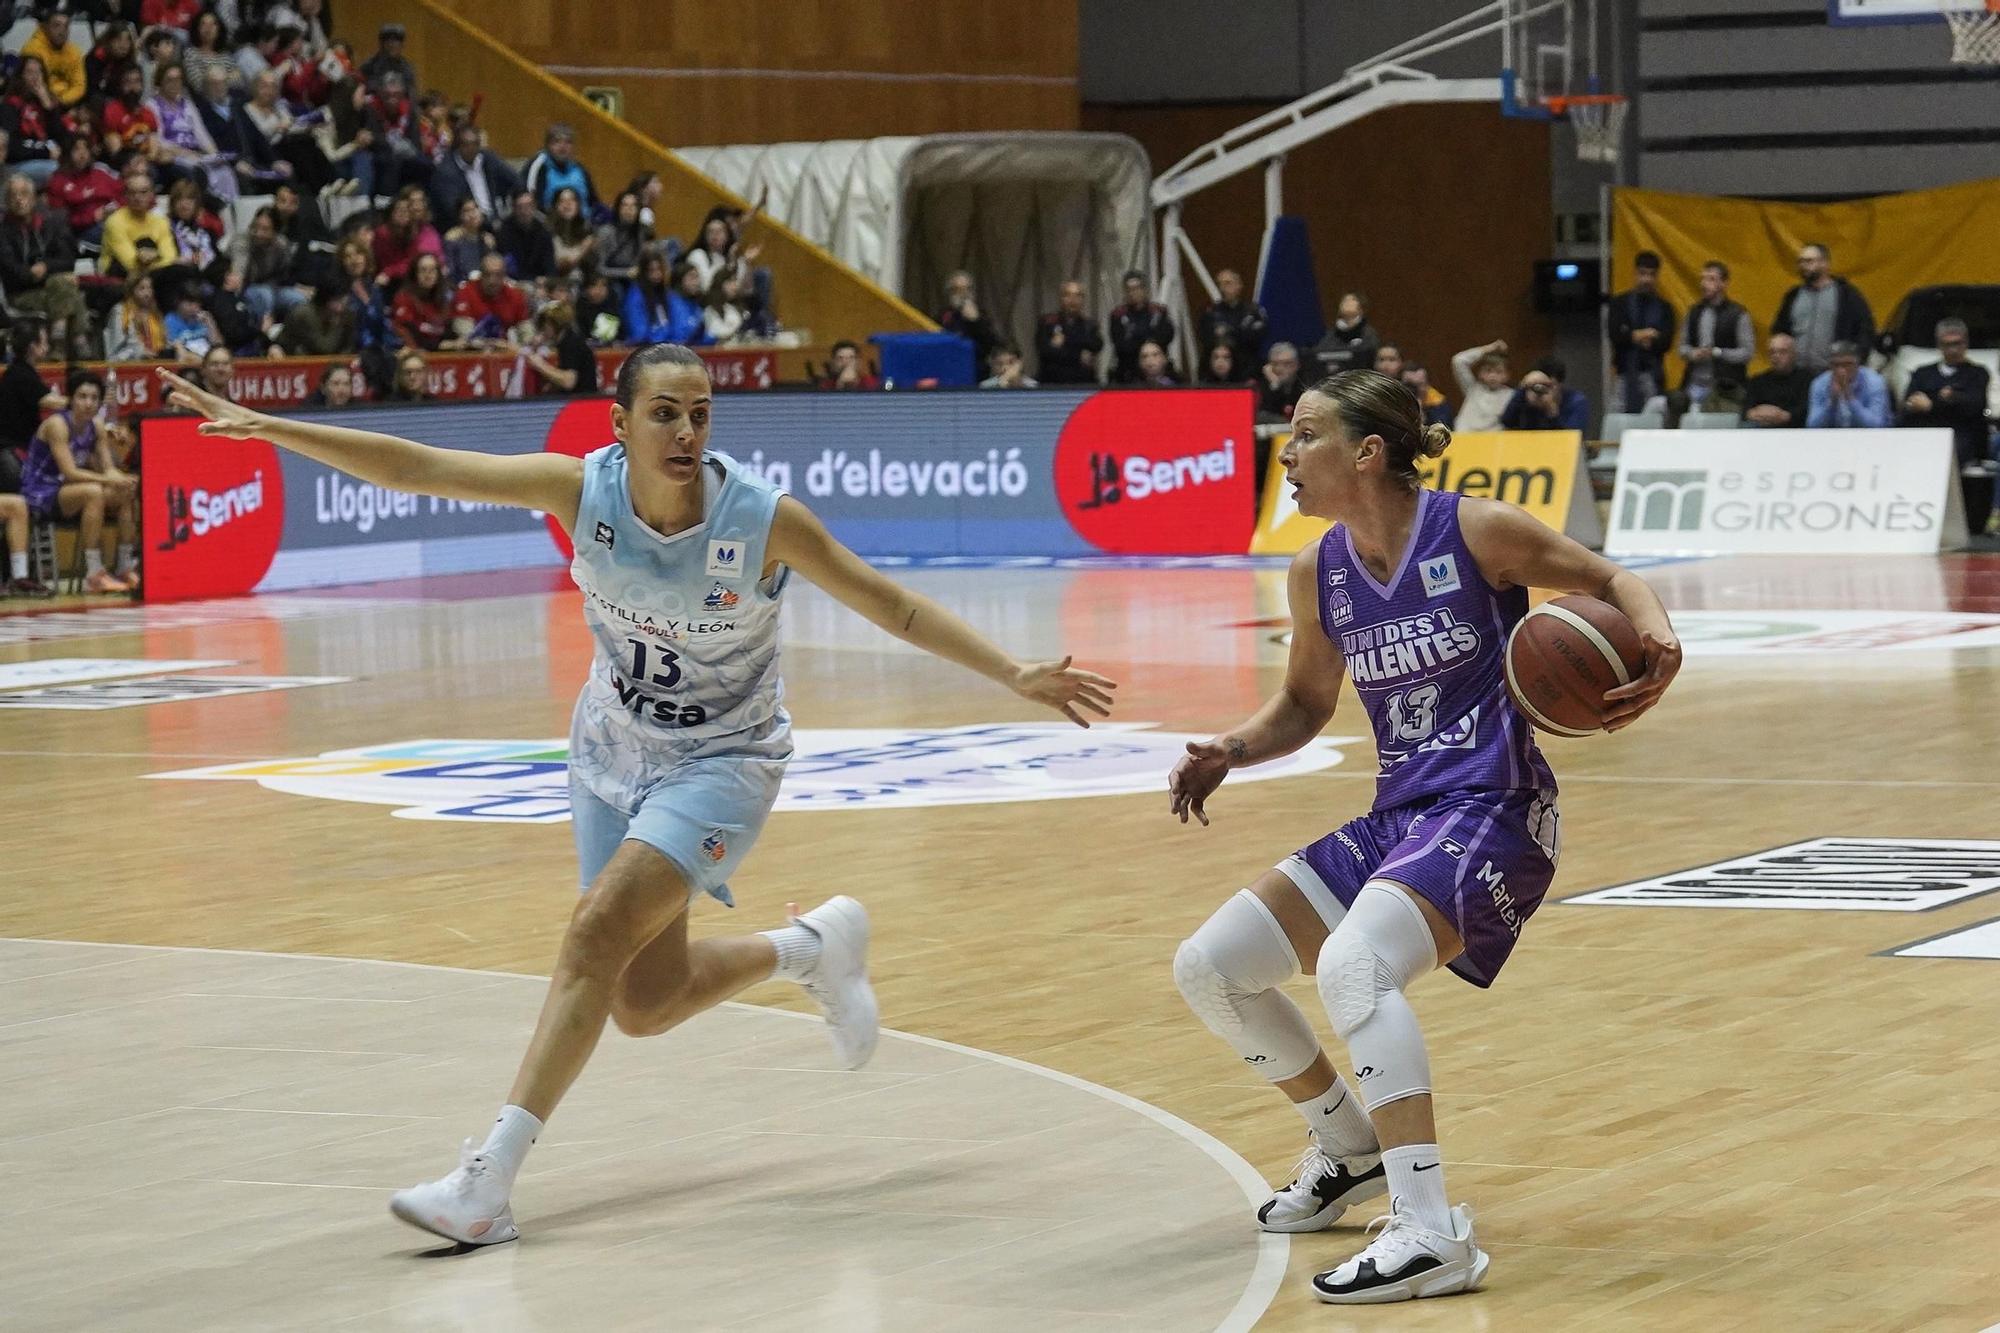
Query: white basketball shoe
(1323, 1187)
(1407, 1261)
(469, 1205)
(838, 981)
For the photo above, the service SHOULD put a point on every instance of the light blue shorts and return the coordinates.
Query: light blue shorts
(703, 812)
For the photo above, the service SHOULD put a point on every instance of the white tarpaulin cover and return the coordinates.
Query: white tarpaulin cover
(1022, 212)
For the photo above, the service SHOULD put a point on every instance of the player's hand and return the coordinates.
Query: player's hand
(225, 418)
(1195, 778)
(1065, 688)
(1627, 702)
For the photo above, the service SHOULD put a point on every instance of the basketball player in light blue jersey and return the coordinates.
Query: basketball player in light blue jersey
(1411, 595)
(680, 736)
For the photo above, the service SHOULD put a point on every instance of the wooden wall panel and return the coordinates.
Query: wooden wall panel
(1436, 212)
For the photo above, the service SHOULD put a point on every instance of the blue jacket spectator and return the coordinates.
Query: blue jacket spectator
(1544, 402)
(1848, 394)
(556, 167)
(658, 311)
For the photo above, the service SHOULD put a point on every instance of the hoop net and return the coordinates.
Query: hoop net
(1975, 33)
(1599, 121)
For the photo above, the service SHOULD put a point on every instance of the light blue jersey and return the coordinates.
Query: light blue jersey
(681, 728)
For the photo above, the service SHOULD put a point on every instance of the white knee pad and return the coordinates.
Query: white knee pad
(1381, 946)
(1229, 972)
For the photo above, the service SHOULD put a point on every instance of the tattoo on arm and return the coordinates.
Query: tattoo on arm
(910, 620)
(1238, 749)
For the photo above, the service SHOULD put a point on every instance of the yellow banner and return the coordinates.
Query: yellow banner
(1535, 469)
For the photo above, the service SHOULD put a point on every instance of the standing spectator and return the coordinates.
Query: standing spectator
(37, 263)
(117, 50)
(421, 313)
(137, 330)
(403, 238)
(1951, 392)
(844, 369)
(560, 356)
(1823, 310)
(388, 59)
(468, 242)
(1067, 342)
(207, 50)
(623, 241)
(1544, 402)
(556, 168)
(1782, 395)
(490, 311)
(1155, 371)
(1350, 344)
(1134, 324)
(598, 311)
(1233, 318)
(1008, 372)
(125, 227)
(1717, 343)
(60, 57)
(963, 316)
(33, 120)
(336, 387)
(265, 267)
(1641, 327)
(1848, 395)
(413, 378)
(85, 190)
(525, 243)
(1282, 387)
(469, 171)
(323, 325)
(571, 233)
(1220, 366)
(1482, 377)
(1437, 409)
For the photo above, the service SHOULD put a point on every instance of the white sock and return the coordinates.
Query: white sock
(126, 557)
(1339, 1123)
(798, 950)
(1416, 1185)
(507, 1145)
(93, 561)
(17, 564)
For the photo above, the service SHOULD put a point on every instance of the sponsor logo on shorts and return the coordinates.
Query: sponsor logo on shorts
(720, 598)
(715, 846)
(606, 536)
(1353, 848)
(1440, 575)
(1826, 874)
(725, 558)
(1503, 901)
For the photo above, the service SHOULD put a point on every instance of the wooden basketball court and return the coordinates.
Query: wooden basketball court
(1692, 1116)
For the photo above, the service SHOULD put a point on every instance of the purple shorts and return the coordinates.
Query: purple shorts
(1482, 858)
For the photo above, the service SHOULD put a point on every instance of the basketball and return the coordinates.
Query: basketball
(1564, 655)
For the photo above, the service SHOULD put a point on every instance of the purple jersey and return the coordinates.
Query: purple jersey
(41, 479)
(1425, 654)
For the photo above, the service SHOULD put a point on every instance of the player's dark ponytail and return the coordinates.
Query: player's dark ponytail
(1371, 403)
(653, 354)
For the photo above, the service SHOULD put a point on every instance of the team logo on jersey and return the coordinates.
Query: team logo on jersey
(1340, 606)
(720, 598)
(607, 537)
(725, 559)
(714, 846)
(1440, 576)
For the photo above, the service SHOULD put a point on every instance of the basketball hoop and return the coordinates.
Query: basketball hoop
(1975, 32)
(1599, 121)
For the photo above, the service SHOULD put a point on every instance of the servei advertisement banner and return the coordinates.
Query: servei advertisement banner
(1786, 492)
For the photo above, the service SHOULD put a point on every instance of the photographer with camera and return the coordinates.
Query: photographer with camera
(1543, 402)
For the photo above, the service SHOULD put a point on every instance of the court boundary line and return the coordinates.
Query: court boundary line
(1896, 951)
(1267, 1274)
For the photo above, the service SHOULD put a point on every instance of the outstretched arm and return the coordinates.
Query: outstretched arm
(800, 540)
(552, 483)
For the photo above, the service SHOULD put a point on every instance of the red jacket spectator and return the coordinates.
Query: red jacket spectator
(393, 252)
(85, 196)
(135, 126)
(168, 13)
(420, 322)
(504, 308)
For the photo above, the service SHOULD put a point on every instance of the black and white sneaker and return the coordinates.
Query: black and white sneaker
(1323, 1188)
(1406, 1262)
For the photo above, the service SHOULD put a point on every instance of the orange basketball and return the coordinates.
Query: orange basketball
(1564, 655)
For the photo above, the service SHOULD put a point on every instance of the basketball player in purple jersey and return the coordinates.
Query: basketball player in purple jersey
(1412, 594)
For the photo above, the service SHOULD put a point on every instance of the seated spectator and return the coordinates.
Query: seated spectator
(413, 378)
(1008, 371)
(117, 50)
(1068, 341)
(556, 168)
(1221, 367)
(321, 326)
(434, 125)
(61, 58)
(313, 248)
(398, 148)
(85, 190)
(1717, 342)
(1437, 409)
(1782, 395)
(560, 356)
(467, 243)
(282, 147)
(1389, 361)
(1951, 392)
(1823, 310)
(1282, 388)
(648, 186)
(191, 330)
(130, 128)
(570, 231)
(70, 473)
(208, 49)
(469, 171)
(32, 116)
(197, 232)
(273, 50)
(598, 312)
(1138, 321)
(1481, 373)
(265, 267)
(724, 319)
(350, 136)
(1232, 318)
(136, 330)
(719, 250)
(169, 13)
(963, 316)
(218, 373)
(186, 149)
(158, 48)
(421, 314)
(1640, 327)
(1544, 402)
(1848, 395)
(364, 300)
(844, 369)
(489, 311)
(37, 262)
(403, 237)
(1350, 344)
(622, 241)
(336, 387)
(524, 241)
(1155, 372)
(686, 304)
(388, 58)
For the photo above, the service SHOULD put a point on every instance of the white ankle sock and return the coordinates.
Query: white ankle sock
(17, 564)
(507, 1145)
(93, 562)
(798, 949)
(1339, 1123)
(127, 558)
(1416, 1184)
